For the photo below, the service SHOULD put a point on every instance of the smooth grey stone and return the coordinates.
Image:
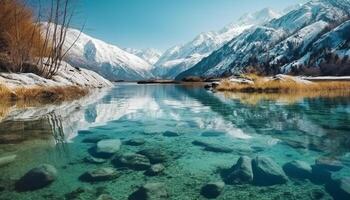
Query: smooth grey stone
(155, 170)
(150, 191)
(7, 160)
(105, 197)
(266, 172)
(241, 172)
(133, 161)
(135, 142)
(93, 160)
(171, 134)
(155, 155)
(213, 189)
(37, 178)
(100, 174)
(108, 147)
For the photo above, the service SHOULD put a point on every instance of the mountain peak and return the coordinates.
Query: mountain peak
(258, 17)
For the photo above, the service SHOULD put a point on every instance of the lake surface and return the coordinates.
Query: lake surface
(198, 134)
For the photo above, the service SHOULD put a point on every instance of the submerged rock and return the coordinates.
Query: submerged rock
(320, 175)
(105, 197)
(340, 188)
(37, 178)
(150, 191)
(7, 160)
(101, 174)
(93, 160)
(266, 172)
(212, 134)
(107, 148)
(241, 172)
(329, 164)
(212, 147)
(212, 190)
(133, 161)
(95, 138)
(298, 169)
(135, 142)
(155, 155)
(75, 194)
(155, 170)
(171, 134)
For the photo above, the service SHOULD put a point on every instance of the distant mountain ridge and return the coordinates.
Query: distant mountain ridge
(305, 36)
(182, 57)
(149, 55)
(107, 60)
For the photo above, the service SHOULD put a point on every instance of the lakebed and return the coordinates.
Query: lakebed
(178, 142)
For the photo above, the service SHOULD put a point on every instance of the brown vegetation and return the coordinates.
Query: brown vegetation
(26, 45)
(20, 37)
(42, 95)
(264, 85)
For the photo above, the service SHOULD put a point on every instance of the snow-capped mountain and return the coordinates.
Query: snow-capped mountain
(108, 60)
(149, 55)
(182, 57)
(302, 37)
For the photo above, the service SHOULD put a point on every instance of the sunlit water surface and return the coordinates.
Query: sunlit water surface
(303, 130)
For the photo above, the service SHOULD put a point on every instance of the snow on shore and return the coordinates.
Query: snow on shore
(66, 76)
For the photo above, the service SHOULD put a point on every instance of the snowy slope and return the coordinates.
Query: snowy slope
(108, 60)
(149, 55)
(275, 45)
(180, 58)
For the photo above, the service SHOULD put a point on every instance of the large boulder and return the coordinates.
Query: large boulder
(298, 169)
(132, 161)
(100, 174)
(150, 191)
(213, 189)
(37, 178)
(339, 188)
(155, 155)
(241, 172)
(266, 172)
(107, 148)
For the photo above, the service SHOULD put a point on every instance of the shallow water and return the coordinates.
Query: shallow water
(303, 130)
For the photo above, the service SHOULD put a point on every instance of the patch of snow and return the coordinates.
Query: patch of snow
(66, 76)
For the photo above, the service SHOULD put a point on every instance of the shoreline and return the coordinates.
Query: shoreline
(281, 84)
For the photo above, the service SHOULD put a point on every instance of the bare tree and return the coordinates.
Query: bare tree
(55, 33)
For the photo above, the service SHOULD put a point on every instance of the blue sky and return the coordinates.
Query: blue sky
(163, 23)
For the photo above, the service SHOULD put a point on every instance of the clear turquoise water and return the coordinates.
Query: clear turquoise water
(305, 130)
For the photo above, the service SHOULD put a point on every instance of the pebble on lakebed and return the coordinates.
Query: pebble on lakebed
(132, 161)
(213, 189)
(150, 191)
(37, 178)
(100, 174)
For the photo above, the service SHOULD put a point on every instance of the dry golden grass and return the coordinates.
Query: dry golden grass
(37, 96)
(42, 94)
(288, 98)
(263, 85)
